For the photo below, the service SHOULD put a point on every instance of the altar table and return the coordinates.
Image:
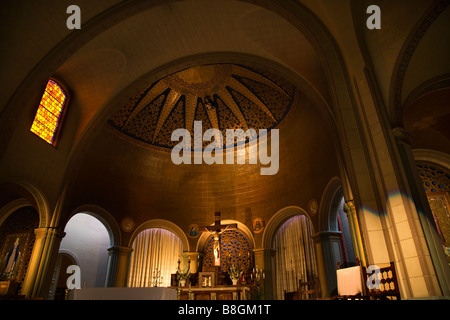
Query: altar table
(349, 282)
(115, 293)
(215, 293)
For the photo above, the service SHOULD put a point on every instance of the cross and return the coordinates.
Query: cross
(217, 229)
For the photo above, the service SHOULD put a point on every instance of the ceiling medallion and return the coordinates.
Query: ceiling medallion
(221, 96)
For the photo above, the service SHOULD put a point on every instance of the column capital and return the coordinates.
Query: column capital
(349, 206)
(120, 250)
(46, 231)
(402, 135)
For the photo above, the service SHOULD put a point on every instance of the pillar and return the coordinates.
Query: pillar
(433, 249)
(118, 262)
(264, 259)
(111, 267)
(357, 241)
(327, 246)
(40, 267)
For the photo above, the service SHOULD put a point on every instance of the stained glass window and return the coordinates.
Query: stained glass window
(49, 113)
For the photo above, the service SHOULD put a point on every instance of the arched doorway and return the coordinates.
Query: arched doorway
(59, 278)
(86, 244)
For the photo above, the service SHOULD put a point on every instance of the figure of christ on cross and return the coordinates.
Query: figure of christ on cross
(216, 230)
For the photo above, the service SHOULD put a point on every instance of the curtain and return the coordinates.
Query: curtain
(295, 257)
(155, 253)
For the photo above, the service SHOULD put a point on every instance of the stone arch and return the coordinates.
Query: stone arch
(277, 221)
(433, 156)
(331, 197)
(27, 195)
(104, 217)
(71, 255)
(163, 224)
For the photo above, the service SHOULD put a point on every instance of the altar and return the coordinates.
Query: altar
(215, 293)
(115, 293)
(223, 271)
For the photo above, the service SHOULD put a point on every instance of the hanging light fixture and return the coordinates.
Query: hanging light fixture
(209, 105)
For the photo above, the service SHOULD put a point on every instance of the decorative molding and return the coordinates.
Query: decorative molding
(428, 155)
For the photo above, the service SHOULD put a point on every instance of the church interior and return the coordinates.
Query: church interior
(346, 176)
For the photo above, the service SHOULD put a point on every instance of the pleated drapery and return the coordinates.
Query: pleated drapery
(295, 256)
(154, 250)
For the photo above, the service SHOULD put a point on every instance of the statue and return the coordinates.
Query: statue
(216, 230)
(11, 260)
(216, 249)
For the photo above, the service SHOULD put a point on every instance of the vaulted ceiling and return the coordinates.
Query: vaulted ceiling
(139, 69)
(219, 96)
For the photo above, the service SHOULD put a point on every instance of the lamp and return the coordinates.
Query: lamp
(209, 105)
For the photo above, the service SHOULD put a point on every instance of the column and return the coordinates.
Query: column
(414, 186)
(112, 266)
(38, 278)
(327, 246)
(118, 261)
(264, 259)
(357, 241)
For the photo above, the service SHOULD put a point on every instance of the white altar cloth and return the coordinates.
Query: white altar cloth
(349, 281)
(114, 293)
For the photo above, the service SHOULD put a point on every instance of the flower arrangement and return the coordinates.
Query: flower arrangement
(235, 272)
(183, 276)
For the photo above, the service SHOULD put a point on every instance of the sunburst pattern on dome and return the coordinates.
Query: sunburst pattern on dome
(221, 96)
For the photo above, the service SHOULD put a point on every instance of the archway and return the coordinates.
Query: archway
(156, 252)
(87, 239)
(436, 182)
(58, 285)
(295, 258)
(17, 239)
(298, 220)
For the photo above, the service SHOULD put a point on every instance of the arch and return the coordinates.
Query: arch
(27, 195)
(242, 227)
(277, 220)
(12, 207)
(104, 217)
(71, 255)
(434, 156)
(331, 197)
(395, 105)
(297, 14)
(163, 224)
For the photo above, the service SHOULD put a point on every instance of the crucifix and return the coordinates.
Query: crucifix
(216, 230)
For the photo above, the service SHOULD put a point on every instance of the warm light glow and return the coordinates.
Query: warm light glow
(48, 115)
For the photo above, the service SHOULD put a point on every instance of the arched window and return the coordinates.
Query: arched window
(49, 114)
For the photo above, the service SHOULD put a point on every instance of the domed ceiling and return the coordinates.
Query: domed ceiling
(221, 96)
